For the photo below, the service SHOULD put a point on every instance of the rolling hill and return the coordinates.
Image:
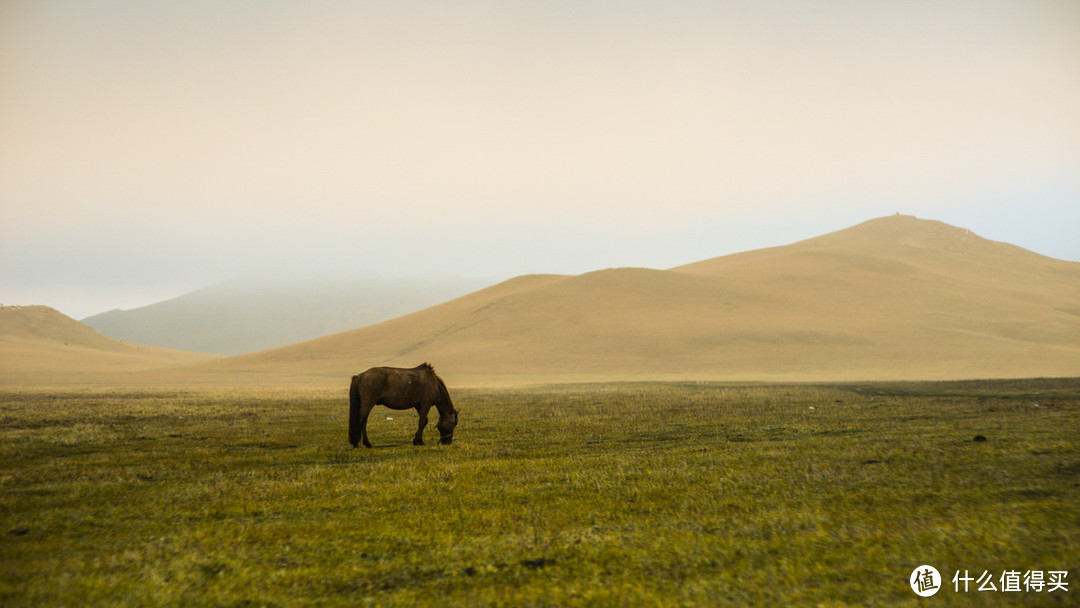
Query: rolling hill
(252, 315)
(41, 345)
(892, 298)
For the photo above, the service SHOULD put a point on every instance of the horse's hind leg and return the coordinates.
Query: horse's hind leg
(422, 410)
(365, 409)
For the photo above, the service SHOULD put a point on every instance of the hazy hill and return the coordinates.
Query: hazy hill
(895, 297)
(247, 316)
(37, 342)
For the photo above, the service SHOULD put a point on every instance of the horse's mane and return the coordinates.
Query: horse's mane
(445, 394)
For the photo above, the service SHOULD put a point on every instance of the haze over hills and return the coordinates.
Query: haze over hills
(894, 297)
(38, 342)
(252, 315)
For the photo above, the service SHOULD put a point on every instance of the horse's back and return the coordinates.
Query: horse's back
(383, 372)
(397, 387)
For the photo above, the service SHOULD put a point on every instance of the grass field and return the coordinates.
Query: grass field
(606, 495)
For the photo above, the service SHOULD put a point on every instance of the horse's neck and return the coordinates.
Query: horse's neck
(444, 406)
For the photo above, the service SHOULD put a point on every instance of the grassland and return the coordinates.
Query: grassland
(606, 495)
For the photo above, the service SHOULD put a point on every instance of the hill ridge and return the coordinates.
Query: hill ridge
(894, 297)
(258, 314)
(48, 324)
(40, 345)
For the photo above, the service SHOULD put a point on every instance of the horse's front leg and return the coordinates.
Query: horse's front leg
(422, 410)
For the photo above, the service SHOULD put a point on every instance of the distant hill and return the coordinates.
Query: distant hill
(38, 342)
(246, 316)
(894, 297)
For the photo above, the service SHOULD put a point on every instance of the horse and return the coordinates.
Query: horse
(400, 389)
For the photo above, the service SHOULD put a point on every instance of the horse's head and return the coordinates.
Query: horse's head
(446, 427)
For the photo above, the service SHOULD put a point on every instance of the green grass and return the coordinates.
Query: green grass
(607, 495)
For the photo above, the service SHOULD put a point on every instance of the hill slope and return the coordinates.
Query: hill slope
(38, 343)
(894, 297)
(247, 316)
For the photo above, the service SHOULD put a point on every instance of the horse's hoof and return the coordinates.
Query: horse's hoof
(418, 442)
(367, 445)
(354, 444)
(446, 441)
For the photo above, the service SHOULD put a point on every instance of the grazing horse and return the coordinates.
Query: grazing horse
(400, 389)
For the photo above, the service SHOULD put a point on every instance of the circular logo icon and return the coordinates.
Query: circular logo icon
(925, 581)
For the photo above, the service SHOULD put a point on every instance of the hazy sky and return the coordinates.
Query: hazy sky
(150, 148)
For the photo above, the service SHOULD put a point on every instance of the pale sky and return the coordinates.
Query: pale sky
(152, 148)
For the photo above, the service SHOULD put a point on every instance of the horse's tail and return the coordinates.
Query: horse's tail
(354, 411)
